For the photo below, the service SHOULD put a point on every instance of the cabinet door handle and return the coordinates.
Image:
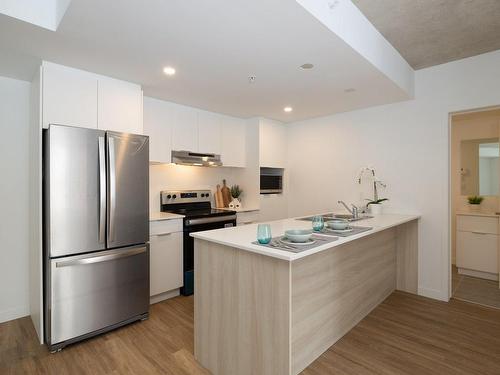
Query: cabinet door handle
(162, 234)
(479, 232)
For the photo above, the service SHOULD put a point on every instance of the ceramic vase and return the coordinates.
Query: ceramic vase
(375, 208)
(474, 207)
(235, 204)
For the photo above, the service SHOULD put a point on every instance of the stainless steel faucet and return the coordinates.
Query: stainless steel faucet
(354, 211)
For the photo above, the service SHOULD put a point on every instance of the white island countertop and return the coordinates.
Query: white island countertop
(241, 237)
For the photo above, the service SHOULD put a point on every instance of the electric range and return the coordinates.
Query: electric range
(199, 216)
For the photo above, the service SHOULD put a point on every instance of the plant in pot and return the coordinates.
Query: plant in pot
(375, 206)
(475, 202)
(235, 194)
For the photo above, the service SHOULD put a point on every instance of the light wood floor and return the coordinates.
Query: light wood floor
(404, 335)
(475, 290)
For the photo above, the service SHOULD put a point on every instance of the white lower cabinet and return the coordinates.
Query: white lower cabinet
(477, 244)
(165, 260)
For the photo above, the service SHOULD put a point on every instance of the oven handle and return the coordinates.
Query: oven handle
(208, 220)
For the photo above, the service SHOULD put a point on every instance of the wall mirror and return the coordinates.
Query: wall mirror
(479, 166)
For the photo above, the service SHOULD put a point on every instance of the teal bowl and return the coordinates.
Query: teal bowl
(338, 224)
(298, 235)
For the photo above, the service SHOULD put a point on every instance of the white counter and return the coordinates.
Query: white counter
(241, 237)
(157, 216)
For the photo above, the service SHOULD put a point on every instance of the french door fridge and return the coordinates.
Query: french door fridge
(96, 231)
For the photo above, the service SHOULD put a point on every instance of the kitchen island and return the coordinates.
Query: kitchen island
(261, 310)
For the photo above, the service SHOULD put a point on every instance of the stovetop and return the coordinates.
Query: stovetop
(190, 203)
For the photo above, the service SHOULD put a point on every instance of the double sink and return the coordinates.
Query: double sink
(331, 216)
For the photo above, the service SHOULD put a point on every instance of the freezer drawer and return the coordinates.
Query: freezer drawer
(91, 292)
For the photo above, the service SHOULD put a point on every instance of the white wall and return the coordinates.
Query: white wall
(408, 145)
(14, 212)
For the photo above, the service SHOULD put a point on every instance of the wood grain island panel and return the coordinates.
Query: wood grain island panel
(257, 314)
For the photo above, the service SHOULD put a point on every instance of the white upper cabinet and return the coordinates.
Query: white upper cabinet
(158, 119)
(272, 144)
(77, 98)
(233, 142)
(120, 106)
(209, 132)
(69, 96)
(184, 129)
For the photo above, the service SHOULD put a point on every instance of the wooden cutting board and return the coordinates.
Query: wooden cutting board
(226, 194)
(219, 203)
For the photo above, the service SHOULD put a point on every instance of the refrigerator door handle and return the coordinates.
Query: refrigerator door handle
(113, 255)
(102, 190)
(112, 188)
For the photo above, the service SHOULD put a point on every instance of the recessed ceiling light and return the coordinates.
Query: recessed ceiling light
(307, 66)
(288, 109)
(169, 71)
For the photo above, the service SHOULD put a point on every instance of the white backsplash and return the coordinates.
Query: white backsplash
(181, 177)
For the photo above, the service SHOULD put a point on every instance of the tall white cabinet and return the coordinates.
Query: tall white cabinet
(69, 96)
(75, 97)
(120, 106)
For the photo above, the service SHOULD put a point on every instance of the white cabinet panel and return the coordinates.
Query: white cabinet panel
(477, 251)
(120, 106)
(69, 96)
(209, 132)
(165, 262)
(272, 144)
(471, 223)
(158, 120)
(185, 129)
(233, 142)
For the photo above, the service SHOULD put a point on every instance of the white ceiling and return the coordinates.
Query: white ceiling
(214, 45)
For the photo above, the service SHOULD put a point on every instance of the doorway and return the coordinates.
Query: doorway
(475, 206)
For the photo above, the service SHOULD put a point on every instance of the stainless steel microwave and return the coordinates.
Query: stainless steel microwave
(271, 180)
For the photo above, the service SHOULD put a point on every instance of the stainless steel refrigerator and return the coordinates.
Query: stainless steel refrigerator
(96, 231)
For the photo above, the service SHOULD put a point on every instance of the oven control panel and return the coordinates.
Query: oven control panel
(185, 196)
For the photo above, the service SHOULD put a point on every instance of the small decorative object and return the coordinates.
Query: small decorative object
(264, 233)
(235, 193)
(318, 223)
(475, 202)
(375, 206)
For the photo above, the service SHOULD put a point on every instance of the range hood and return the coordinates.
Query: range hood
(196, 158)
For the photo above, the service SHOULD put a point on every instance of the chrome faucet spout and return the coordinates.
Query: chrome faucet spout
(346, 207)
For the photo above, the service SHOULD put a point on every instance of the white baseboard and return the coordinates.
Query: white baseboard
(433, 293)
(164, 296)
(478, 274)
(14, 313)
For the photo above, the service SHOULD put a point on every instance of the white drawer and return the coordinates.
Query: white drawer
(477, 252)
(481, 224)
(165, 226)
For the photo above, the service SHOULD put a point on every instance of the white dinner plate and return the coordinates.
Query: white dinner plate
(287, 241)
(340, 230)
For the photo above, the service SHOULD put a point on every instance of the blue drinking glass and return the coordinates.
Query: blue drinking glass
(318, 223)
(264, 233)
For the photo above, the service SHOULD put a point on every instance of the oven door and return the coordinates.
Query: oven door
(199, 225)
